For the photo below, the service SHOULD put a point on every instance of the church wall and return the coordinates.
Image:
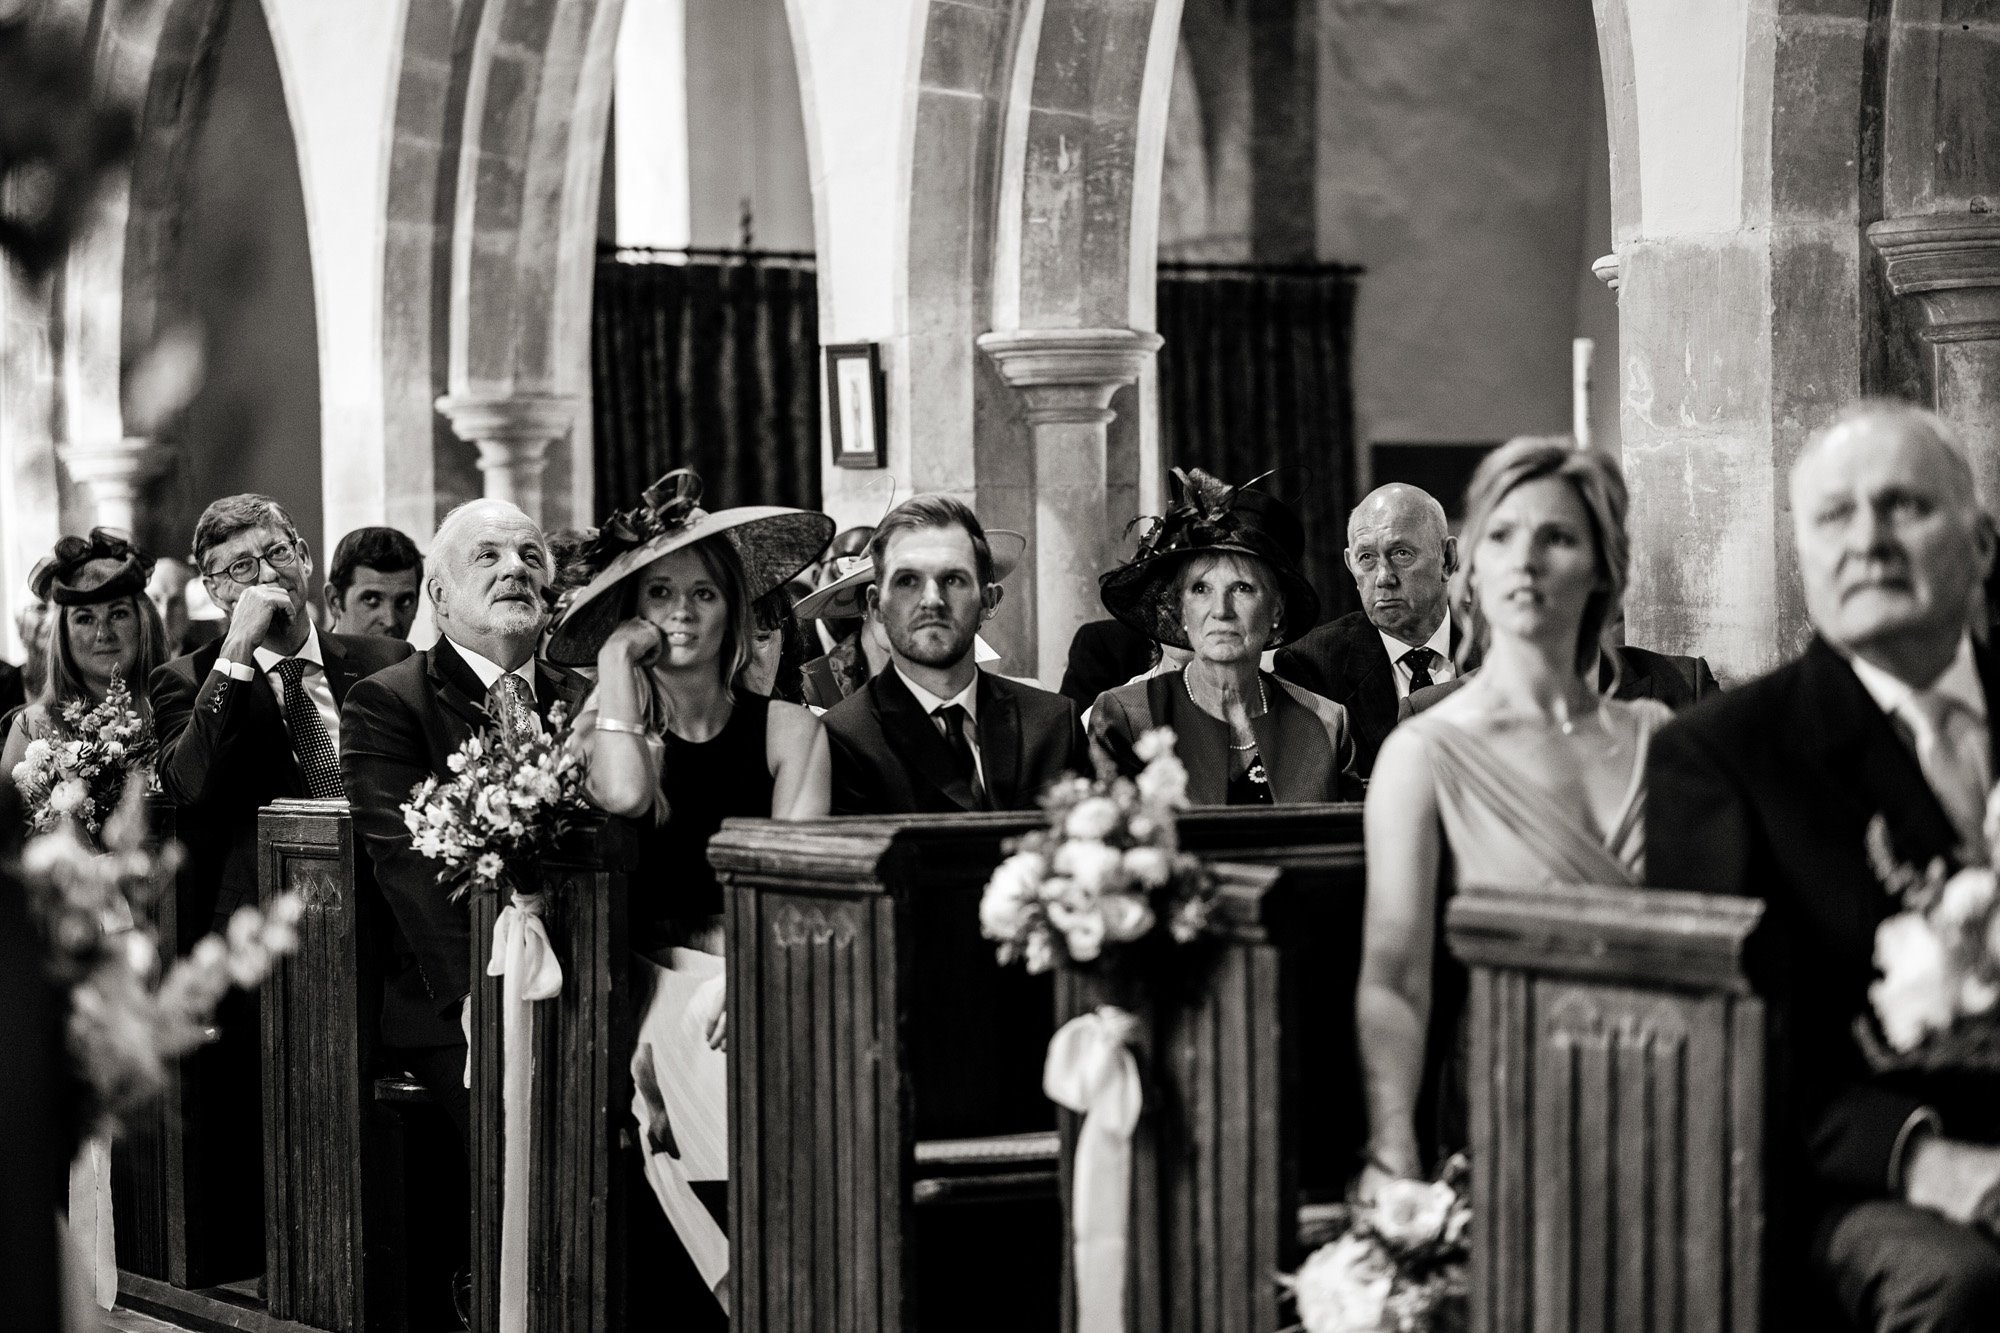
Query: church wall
(745, 135)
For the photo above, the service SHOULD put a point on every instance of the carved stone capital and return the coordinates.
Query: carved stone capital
(115, 473)
(1951, 264)
(512, 432)
(1068, 376)
(1606, 270)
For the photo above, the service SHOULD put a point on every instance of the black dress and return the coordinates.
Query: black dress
(703, 783)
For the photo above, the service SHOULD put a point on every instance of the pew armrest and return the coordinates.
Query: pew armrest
(1004, 1166)
(1633, 937)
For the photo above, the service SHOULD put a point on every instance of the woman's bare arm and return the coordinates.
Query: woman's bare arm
(801, 763)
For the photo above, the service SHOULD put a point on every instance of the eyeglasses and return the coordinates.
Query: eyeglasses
(279, 555)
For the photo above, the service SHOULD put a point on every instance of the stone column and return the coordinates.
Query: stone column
(513, 432)
(1067, 377)
(116, 475)
(1951, 264)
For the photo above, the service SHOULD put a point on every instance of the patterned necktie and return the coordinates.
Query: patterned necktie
(1951, 750)
(1419, 661)
(954, 718)
(310, 742)
(511, 706)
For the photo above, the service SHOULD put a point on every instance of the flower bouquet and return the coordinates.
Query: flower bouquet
(1106, 871)
(1395, 1263)
(79, 774)
(1940, 961)
(127, 1018)
(503, 806)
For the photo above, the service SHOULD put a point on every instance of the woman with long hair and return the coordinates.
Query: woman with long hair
(1528, 775)
(103, 627)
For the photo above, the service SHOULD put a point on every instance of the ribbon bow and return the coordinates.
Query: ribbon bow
(529, 970)
(674, 501)
(1203, 515)
(1090, 1069)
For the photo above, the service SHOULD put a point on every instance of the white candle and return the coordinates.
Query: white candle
(1581, 352)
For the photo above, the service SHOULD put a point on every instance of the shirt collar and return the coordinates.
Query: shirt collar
(967, 698)
(489, 671)
(1440, 642)
(309, 650)
(1959, 683)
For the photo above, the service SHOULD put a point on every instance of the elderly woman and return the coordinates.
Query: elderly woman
(104, 627)
(1218, 577)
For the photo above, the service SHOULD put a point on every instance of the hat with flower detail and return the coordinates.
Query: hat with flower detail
(771, 542)
(87, 571)
(1210, 517)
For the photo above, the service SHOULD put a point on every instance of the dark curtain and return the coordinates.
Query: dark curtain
(708, 361)
(1255, 374)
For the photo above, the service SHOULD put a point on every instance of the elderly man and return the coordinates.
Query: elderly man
(372, 587)
(488, 570)
(241, 722)
(1401, 554)
(933, 733)
(1892, 1183)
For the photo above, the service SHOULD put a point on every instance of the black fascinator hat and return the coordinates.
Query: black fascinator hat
(1210, 517)
(87, 571)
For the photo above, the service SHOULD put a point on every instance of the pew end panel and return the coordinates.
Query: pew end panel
(149, 1159)
(1618, 1104)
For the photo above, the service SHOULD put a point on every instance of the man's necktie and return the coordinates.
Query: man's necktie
(511, 706)
(1951, 745)
(310, 742)
(1419, 661)
(954, 718)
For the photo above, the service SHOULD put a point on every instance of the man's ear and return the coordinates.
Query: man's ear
(434, 589)
(1347, 558)
(305, 555)
(1450, 556)
(871, 600)
(989, 598)
(334, 602)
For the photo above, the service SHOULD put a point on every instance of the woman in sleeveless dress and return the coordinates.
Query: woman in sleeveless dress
(1526, 776)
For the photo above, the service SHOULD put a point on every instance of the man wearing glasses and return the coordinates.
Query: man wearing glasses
(242, 722)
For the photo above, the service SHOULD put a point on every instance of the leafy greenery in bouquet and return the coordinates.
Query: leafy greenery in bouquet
(128, 1018)
(1937, 1005)
(79, 773)
(504, 805)
(1106, 871)
(1393, 1263)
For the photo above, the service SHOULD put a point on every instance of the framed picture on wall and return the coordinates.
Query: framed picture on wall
(854, 397)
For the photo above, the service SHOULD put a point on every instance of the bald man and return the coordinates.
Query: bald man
(1401, 554)
(1890, 1184)
(488, 568)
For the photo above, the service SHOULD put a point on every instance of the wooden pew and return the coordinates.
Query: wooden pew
(583, 1094)
(1618, 1109)
(148, 1160)
(871, 1027)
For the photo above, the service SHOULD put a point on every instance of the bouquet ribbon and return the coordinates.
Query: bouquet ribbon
(526, 963)
(1090, 1069)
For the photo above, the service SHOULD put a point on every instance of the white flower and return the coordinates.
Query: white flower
(244, 925)
(1916, 993)
(249, 965)
(113, 749)
(1412, 1212)
(1083, 931)
(1041, 952)
(492, 807)
(1153, 744)
(1004, 908)
(488, 868)
(1149, 866)
(1164, 782)
(1093, 819)
(1966, 898)
(1127, 916)
(71, 796)
(209, 953)
(70, 756)
(455, 761)
(1344, 1287)
(38, 753)
(23, 774)
(1095, 867)
(430, 845)
(1976, 995)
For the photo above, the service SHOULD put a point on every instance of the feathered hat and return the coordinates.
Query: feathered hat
(87, 571)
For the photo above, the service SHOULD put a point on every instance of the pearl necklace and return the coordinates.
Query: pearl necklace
(1263, 706)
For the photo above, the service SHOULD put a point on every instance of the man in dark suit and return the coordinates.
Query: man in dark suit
(934, 733)
(242, 722)
(487, 572)
(13, 695)
(35, 1141)
(1639, 673)
(1889, 1184)
(1401, 554)
(1103, 655)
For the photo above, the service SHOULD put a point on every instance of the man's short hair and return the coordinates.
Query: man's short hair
(384, 550)
(931, 511)
(1919, 422)
(233, 514)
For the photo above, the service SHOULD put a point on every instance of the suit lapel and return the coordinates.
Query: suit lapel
(338, 666)
(1293, 746)
(1856, 738)
(1372, 695)
(914, 740)
(1200, 740)
(456, 685)
(999, 743)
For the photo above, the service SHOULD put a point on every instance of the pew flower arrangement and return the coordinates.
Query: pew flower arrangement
(504, 805)
(78, 773)
(1105, 872)
(130, 1016)
(1394, 1263)
(1938, 1000)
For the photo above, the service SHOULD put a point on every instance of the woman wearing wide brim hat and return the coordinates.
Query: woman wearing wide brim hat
(1218, 575)
(855, 658)
(672, 735)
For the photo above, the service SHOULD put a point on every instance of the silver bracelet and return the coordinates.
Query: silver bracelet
(623, 728)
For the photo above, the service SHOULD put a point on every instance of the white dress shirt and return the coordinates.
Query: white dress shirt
(314, 682)
(968, 699)
(489, 671)
(1442, 669)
